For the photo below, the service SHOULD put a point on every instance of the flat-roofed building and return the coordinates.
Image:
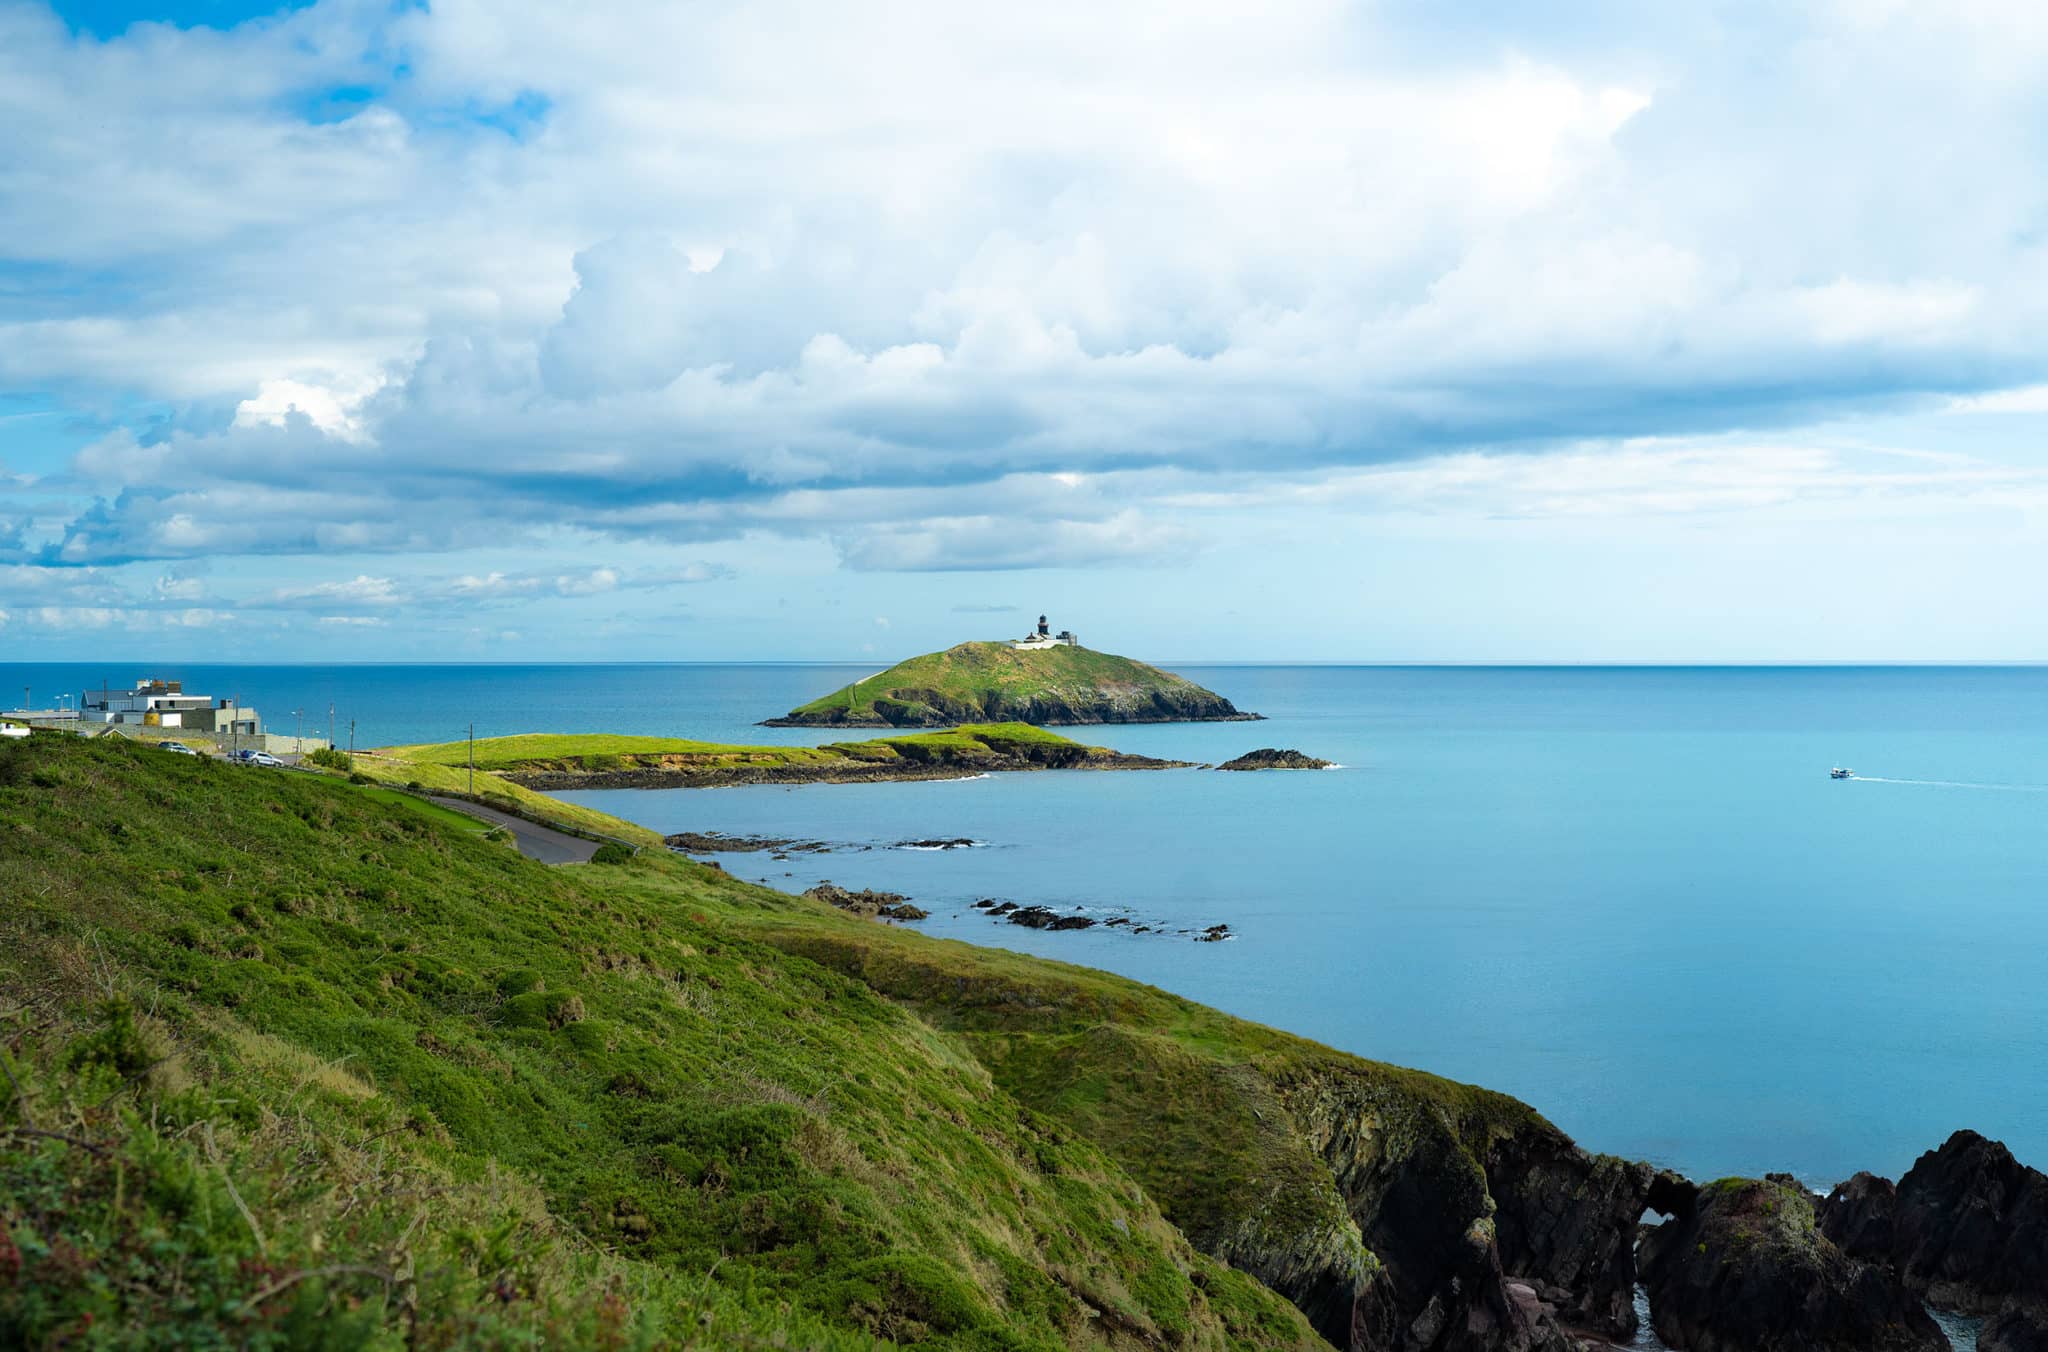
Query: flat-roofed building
(166, 704)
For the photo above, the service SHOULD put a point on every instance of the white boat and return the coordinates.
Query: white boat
(1839, 773)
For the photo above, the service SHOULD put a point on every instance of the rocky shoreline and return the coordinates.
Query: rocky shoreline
(551, 779)
(936, 711)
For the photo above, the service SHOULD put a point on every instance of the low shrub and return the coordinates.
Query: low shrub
(612, 853)
(330, 757)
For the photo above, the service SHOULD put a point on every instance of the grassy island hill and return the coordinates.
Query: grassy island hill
(292, 1061)
(990, 682)
(564, 761)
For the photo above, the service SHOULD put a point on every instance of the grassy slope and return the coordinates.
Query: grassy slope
(313, 1068)
(969, 672)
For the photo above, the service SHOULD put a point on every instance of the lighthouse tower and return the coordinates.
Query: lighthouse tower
(1044, 637)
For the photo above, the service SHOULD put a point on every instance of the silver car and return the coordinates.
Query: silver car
(178, 747)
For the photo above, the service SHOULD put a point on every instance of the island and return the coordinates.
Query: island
(1271, 758)
(546, 762)
(1042, 679)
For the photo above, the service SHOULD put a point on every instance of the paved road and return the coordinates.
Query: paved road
(535, 842)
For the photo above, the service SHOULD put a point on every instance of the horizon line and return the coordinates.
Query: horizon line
(1606, 664)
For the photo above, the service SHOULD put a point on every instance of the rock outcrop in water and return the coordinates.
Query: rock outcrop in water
(1272, 758)
(868, 903)
(1967, 1227)
(1747, 1269)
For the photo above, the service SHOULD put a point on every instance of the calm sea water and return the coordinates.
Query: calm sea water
(1631, 897)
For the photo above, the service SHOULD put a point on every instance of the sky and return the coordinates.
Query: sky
(1314, 331)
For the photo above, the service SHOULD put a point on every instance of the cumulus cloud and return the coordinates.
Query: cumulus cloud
(694, 275)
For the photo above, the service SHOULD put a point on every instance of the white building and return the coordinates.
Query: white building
(1045, 638)
(165, 704)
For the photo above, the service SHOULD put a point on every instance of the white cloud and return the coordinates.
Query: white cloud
(980, 288)
(361, 590)
(331, 410)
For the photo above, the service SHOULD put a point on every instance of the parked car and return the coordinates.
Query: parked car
(263, 758)
(178, 747)
(244, 757)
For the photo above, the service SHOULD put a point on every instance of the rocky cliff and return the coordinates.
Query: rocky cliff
(1745, 1268)
(2020, 1325)
(1967, 1225)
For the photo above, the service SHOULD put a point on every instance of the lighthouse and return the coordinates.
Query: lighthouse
(1044, 637)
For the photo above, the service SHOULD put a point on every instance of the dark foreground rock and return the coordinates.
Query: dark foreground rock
(1967, 1226)
(1748, 1270)
(1270, 758)
(868, 903)
(2020, 1325)
(1556, 1225)
(1491, 1229)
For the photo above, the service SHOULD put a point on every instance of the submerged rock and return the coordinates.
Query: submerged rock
(1967, 1225)
(714, 842)
(1748, 1270)
(1271, 758)
(961, 843)
(1045, 918)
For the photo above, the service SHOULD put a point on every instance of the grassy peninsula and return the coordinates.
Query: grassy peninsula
(292, 1063)
(987, 682)
(561, 761)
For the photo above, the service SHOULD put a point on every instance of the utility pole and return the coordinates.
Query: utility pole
(351, 737)
(472, 759)
(300, 745)
(330, 725)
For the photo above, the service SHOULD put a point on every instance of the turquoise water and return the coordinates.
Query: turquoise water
(1631, 896)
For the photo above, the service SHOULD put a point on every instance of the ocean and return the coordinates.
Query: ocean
(1629, 896)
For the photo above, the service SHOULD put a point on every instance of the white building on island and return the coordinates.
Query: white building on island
(1045, 638)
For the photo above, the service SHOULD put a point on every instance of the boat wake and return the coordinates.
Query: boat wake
(1952, 784)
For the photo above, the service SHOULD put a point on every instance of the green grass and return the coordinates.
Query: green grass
(504, 753)
(301, 1065)
(433, 812)
(598, 753)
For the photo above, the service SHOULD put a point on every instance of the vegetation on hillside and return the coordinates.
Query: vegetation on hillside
(978, 682)
(540, 760)
(293, 1064)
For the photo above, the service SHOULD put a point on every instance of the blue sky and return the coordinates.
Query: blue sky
(1342, 331)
